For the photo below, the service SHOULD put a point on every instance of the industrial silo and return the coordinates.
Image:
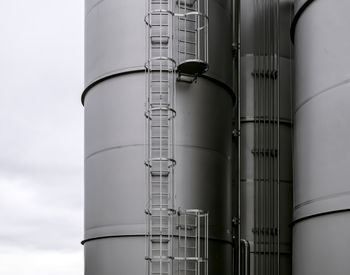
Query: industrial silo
(321, 242)
(116, 192)
(189, 114)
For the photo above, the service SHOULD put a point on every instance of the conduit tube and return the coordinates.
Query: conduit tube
(321, 243)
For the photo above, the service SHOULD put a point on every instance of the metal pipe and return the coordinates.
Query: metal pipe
(245, 257)
(237, 63)
(278, 138)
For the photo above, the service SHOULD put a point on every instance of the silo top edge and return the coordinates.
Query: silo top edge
(297, 16)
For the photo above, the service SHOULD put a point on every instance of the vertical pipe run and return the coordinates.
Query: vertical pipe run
(261, 122)
(236, 13)
(278, 128)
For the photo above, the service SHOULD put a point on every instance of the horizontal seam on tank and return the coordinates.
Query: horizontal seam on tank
(296, 18)
(311, 216)
(142, 235)
(139, 69)
(329, 89)
(218, 82)
(253, 55)
(114, 225)
(202, 148)
(113, 148)
(332, 196)
(137, 145)
(105, 77)
(137, 225)
(136, 69)
(94, 6)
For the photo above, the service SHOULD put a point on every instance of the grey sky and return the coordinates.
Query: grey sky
(41, 137)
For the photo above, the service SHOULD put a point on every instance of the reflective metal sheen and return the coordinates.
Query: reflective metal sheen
(322, 133)
(115, 187)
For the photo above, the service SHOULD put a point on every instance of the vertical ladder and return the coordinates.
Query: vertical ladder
(192, 248)
(160, 114)
(192, 239)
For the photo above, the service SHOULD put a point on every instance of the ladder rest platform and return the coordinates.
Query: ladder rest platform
(192, 67)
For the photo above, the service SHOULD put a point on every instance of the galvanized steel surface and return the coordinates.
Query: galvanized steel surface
(115, 39)
(114, 173)
(115, 189)
(322, 133)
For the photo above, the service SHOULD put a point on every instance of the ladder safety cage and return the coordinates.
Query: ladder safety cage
(189, 256)
(192, 36)
(192, 242)
(160, 113)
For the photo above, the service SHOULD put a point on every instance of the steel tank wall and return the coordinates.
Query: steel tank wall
(114, 99)
(322, 159)
(248, 120)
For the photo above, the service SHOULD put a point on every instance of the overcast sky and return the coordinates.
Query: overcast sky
(41, 137)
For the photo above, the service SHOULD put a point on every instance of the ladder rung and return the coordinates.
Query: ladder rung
(188, 42)
(187, 53)
(160, 35)
(160, 209)
(188, 227)
(160, 47)
(160, 41)
(187, 19)
(160, 25)
(157, 240)
(165, 36)
(162, 259)
(157, 184)
(159, 105)
(190, 31)
(158, 216)
(187, 8)
(163, 2)
(157, 173)
(164, 229)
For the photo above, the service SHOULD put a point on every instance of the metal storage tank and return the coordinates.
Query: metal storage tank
(114, 100)
(322, 133)
(266, 134)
